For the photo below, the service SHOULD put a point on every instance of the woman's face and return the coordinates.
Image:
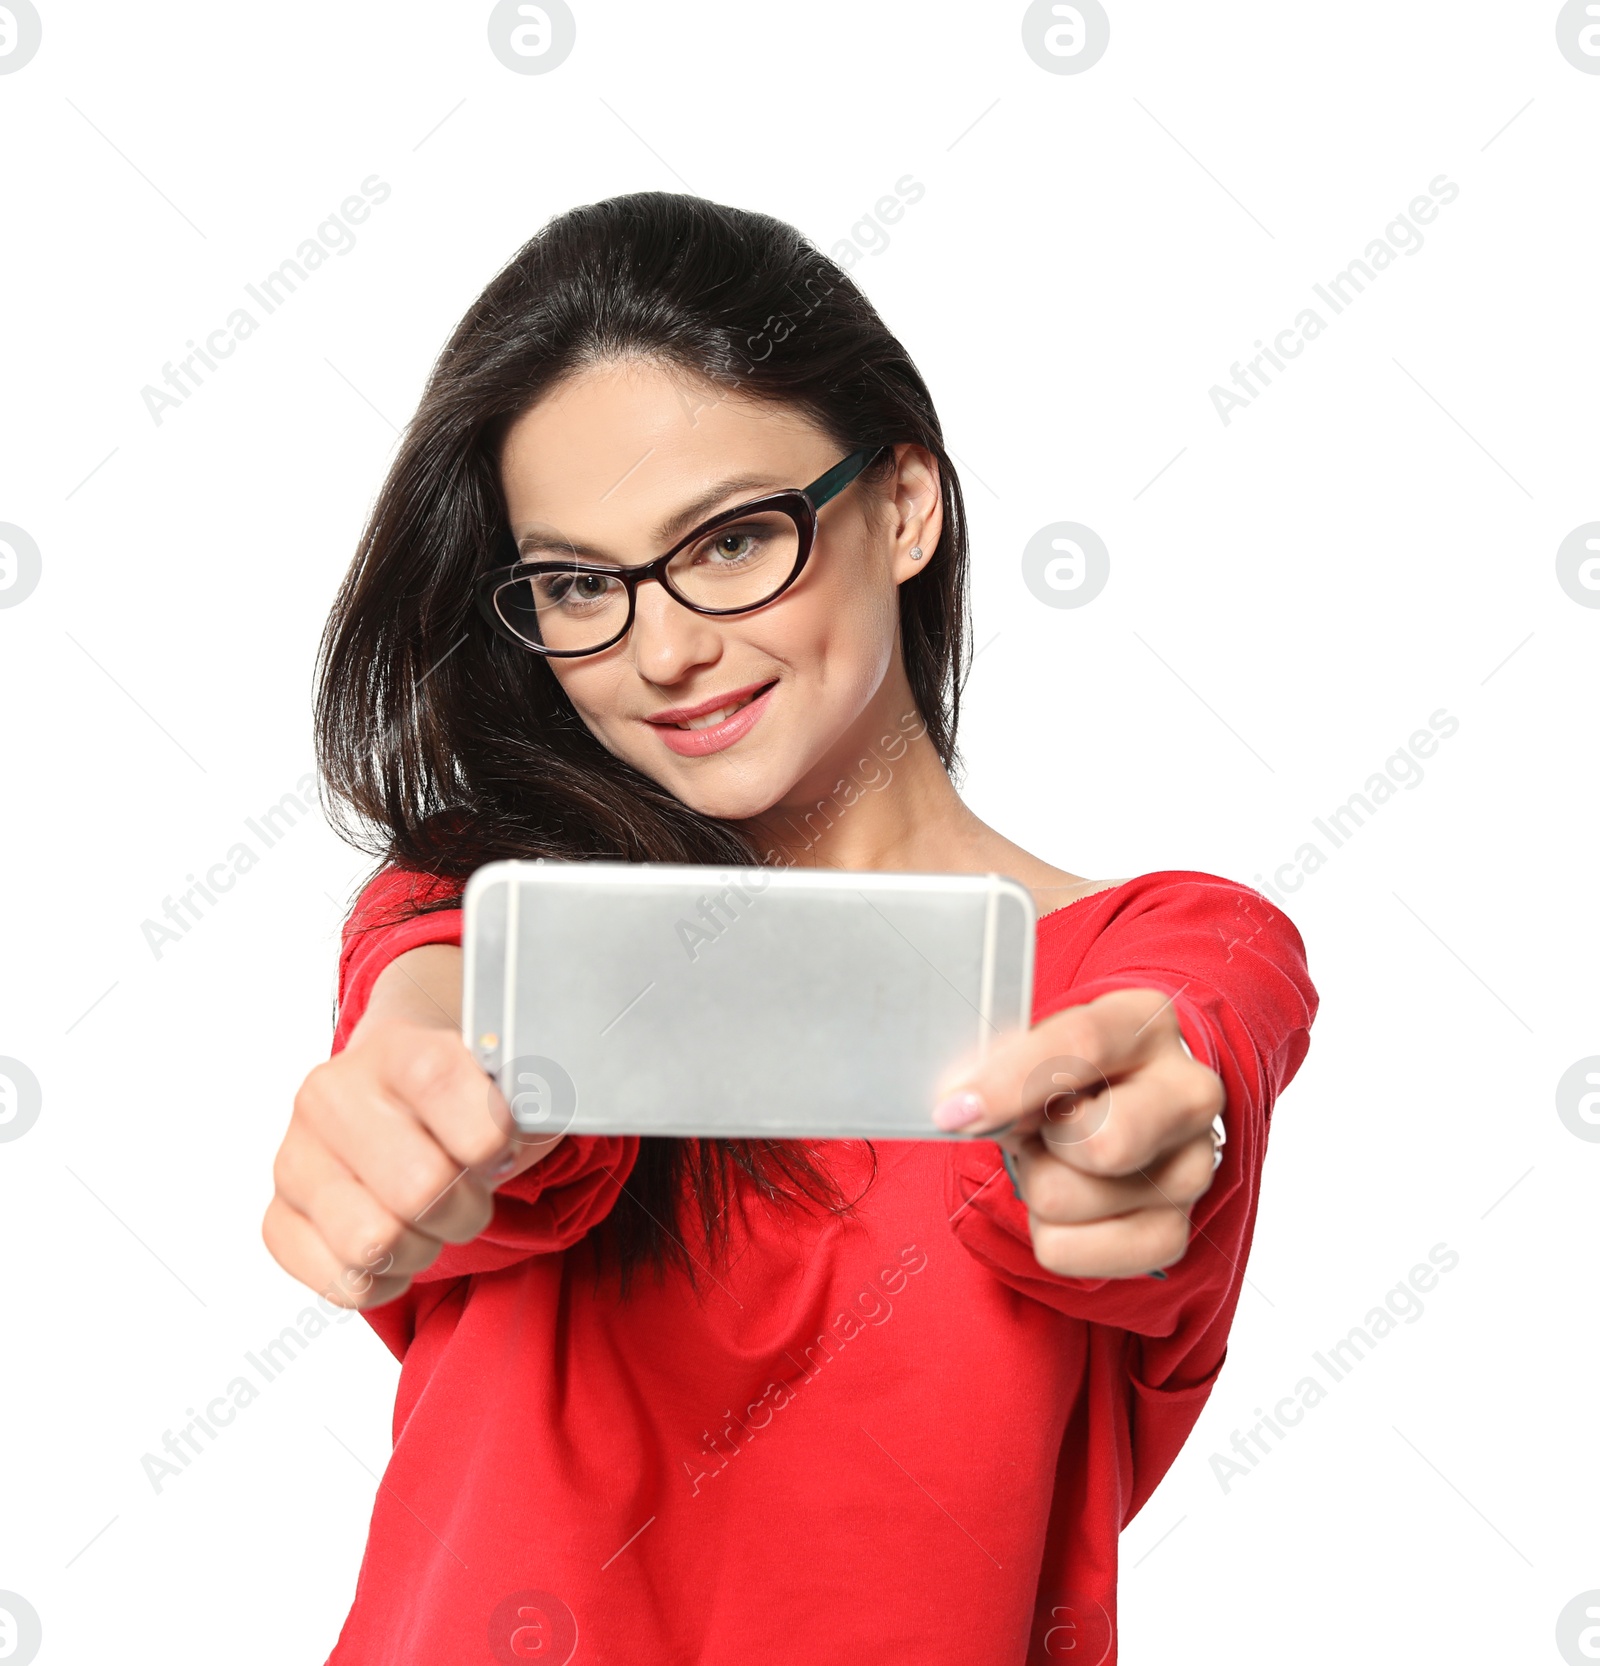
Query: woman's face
(613, 460)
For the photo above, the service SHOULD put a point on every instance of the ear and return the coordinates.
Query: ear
(916, 511)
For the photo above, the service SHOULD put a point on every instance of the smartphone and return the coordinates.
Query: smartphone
(654, 998)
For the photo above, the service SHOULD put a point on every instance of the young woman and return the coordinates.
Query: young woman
(731, 1401)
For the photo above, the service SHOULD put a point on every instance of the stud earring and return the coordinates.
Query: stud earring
(916, 552)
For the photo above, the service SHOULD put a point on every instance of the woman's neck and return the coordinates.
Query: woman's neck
(883, 800)
(881, 811)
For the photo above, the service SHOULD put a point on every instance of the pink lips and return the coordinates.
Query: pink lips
(700, 743)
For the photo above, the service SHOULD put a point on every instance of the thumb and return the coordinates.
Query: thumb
(1026, 1080)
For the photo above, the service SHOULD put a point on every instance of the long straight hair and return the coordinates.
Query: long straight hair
(442, 746)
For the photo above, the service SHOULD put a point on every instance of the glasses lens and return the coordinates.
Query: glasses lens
(564, 611)
(740, 563)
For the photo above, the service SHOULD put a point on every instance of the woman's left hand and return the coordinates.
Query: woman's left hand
(1109, 1119)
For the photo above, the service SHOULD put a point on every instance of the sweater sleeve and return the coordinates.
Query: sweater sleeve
(1235, 968)
(546, 1208)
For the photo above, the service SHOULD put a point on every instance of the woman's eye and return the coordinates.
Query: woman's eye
(732, 546)
(560, 589)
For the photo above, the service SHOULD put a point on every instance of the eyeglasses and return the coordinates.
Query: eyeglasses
(736, 562)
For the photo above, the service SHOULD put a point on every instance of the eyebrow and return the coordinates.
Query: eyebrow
(683, 520)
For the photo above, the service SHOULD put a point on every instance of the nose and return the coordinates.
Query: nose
(668, 639)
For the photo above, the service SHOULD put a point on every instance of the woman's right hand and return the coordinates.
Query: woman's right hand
(395, 1144)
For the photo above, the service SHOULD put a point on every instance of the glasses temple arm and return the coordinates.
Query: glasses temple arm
(829, 485)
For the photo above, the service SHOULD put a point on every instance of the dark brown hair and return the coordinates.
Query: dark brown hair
(443, 747)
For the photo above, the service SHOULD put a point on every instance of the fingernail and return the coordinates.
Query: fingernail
(1011, 1174)
(1158, 1274)
(958, 1110)
(503, 1167)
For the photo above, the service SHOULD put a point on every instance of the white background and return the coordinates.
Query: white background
(1371, 541)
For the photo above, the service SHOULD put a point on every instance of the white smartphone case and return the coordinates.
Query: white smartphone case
(648, 998)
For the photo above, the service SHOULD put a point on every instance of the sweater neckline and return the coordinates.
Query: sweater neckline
(1104, 891)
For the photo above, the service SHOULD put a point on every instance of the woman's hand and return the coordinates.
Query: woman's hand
(1109, 1120)
(395, 1144)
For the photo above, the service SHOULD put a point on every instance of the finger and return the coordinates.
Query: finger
(438, 1079)
(1058, 1194)
(1133, 1124)
(384, 1145)
(358, 1230)
(527, 1149)
(297, 1247)
(1078, 1051)
(1123, 1247)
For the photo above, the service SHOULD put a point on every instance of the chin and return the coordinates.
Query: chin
(738, 801)
(735, 798)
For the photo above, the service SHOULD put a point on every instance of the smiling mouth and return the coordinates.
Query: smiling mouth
(723, 713)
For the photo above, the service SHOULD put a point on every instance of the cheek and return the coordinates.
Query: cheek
(862, 623)
(845, 647)
(837, 640)
(850, 617)
(593, 688)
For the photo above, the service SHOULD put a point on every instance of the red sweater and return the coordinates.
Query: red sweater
(890, 1435)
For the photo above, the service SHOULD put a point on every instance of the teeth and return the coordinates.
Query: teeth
(713, 717)
(720, 716)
